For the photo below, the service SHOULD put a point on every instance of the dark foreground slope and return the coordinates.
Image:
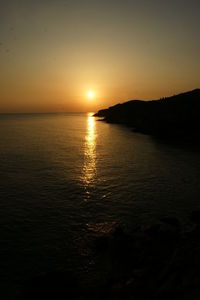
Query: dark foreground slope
(176, 116)
(159, 261)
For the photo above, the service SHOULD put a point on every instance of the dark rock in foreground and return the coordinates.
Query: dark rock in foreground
(157, 261)
(172, 117)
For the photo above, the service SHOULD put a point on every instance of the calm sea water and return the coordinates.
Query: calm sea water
(64, 175)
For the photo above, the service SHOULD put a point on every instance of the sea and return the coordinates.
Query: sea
(67, 177)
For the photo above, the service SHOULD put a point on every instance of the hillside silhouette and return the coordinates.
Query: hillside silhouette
(175, 117)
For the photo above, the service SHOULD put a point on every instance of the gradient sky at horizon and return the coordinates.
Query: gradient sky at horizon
(53, 52)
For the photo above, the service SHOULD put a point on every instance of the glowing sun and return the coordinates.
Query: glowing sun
(90, 94)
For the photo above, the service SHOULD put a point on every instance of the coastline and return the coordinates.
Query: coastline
(172, 118)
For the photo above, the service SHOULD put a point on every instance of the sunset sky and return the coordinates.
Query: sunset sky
(83, 55)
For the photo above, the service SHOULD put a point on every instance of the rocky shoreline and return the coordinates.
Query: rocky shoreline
(158, 261)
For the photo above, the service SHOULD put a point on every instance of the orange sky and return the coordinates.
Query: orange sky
(53, 52)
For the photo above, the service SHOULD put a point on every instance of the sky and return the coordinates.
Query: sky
(52, 53)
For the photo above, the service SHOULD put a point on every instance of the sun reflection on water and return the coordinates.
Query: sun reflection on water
(89, 168)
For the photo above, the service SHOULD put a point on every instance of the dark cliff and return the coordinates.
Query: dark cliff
(173, 116)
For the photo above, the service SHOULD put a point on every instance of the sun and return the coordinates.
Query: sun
(90, 94)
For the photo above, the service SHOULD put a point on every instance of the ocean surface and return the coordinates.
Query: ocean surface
(64, 177)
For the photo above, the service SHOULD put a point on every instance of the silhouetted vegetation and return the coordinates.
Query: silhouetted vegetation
(176, 116)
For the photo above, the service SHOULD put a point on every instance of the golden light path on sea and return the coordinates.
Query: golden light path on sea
(89, 167)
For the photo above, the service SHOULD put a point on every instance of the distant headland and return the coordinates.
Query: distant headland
(177, 116)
